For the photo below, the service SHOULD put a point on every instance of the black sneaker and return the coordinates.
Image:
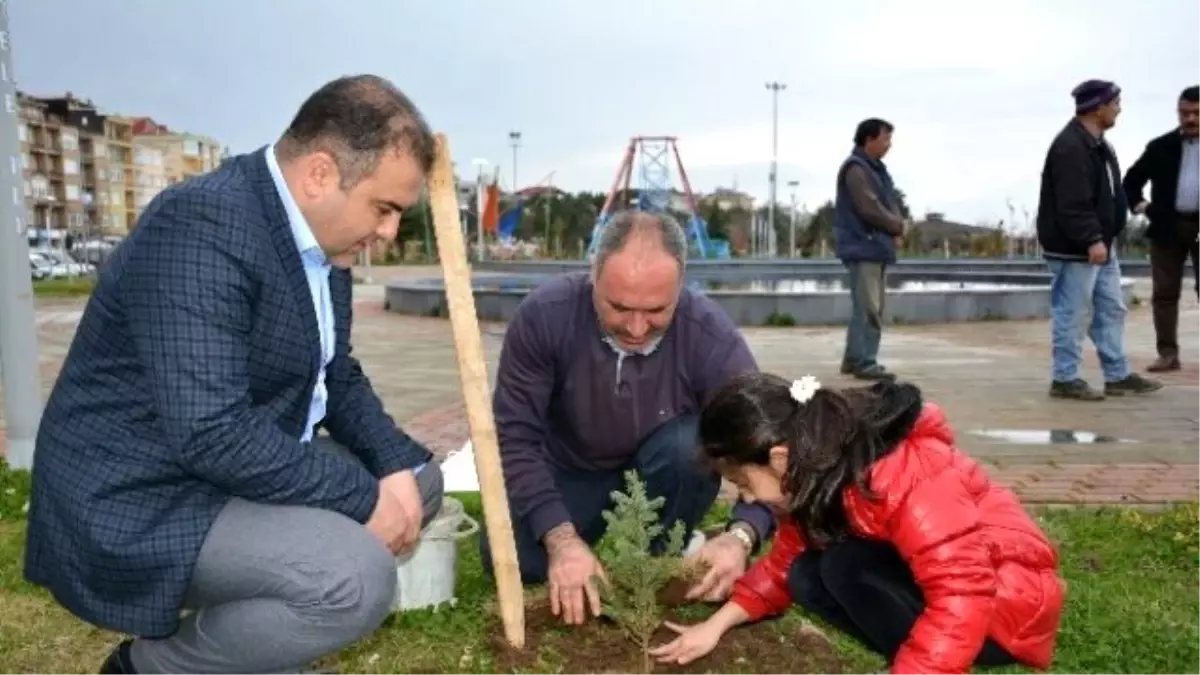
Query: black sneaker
(847, 368)
(1076, 389)
(118, 661)
(874, 372)
(1134, 384)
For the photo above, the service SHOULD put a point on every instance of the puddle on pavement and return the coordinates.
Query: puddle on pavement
(1047, 436)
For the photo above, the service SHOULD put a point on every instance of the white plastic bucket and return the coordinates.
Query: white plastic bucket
(425, 576)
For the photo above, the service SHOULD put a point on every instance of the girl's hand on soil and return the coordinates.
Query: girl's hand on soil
(573, 568)
(693, 642)
(696, 641)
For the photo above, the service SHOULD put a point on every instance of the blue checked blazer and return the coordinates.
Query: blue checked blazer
(188, 383)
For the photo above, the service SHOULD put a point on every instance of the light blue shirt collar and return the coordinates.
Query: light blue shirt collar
(306, 242)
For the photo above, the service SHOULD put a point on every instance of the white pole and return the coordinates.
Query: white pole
(775, 88)
(18, 323)
(479, 213)
(792, 237)
(753, 231)
(480, 238)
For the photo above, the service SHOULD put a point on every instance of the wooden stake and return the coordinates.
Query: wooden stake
(472, 370)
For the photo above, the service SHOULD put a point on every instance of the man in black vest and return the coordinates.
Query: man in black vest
(1171, 164)
(866, 224)
(1081, 211)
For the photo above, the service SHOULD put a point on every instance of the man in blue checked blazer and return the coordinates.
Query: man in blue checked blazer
(178, 465)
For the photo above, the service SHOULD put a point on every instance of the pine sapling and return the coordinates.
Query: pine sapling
(635, 577)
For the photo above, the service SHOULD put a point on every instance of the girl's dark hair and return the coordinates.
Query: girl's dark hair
(832, 440)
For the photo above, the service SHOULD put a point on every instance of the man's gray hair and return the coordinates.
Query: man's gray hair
(356, 119)
(624, 225)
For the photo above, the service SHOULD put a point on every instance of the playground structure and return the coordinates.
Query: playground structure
(654, 192)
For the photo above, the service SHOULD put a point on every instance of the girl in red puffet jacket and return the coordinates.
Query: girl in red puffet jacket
(886, 530)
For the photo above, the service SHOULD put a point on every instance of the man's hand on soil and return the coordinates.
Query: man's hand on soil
(572, 574)
(725, 558)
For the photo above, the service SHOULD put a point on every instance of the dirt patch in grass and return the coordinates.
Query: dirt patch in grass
(599, 646)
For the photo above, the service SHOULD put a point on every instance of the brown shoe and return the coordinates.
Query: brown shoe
(1164, 364)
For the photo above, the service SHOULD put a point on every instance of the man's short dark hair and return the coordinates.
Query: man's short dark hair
(1191, 94)
(870, 129)
(356, 119)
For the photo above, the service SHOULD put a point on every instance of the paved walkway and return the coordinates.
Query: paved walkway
(990, 377)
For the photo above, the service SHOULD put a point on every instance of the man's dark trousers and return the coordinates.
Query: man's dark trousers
(667, 463)
(868, 296)
(1168, 261)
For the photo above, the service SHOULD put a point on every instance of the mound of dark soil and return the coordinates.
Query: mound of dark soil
(599, 646)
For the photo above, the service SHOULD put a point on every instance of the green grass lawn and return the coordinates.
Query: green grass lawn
(1132, 604)
(64, 288)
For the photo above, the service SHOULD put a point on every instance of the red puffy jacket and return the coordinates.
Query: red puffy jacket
(985, 568)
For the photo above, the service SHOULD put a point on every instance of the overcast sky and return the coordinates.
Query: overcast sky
(976, 89)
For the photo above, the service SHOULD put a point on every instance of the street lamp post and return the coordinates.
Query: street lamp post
(18, 332)
(774, 88)
(514, 139)
(793, 184)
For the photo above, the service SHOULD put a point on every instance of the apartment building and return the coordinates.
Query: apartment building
(120, 206)
(50, 160)
(183, 154)
(78, 167)
(726, 199)
(90, 174)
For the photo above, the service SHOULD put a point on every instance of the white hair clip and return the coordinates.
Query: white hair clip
(804, 388)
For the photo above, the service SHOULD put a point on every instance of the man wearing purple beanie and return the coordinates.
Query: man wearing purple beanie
(1081, 211)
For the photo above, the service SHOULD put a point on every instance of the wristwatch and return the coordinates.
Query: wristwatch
(744, 534)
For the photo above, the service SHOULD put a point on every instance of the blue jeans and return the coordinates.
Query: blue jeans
(1076, 285)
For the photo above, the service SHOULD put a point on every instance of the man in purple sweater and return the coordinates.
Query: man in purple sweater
(606, 371)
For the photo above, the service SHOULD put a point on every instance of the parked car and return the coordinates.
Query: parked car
(93, 251)
(72, 267)
(38, 269)
(58, 270)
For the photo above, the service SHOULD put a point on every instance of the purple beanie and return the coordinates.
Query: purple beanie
(1093, 94)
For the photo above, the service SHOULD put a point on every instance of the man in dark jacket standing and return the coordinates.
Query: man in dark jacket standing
(1171, 164)
(1081, 211)
(866, 224)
